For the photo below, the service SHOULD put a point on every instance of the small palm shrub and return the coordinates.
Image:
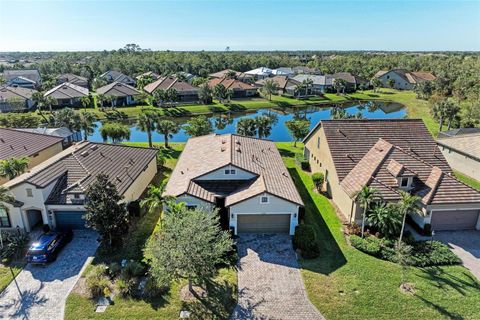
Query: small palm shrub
(97, 281)
(318, 178)
(386, 218)
(305, 239)
(133, 269)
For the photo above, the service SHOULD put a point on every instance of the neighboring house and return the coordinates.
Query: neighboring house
(23, 78)
(462, 151)
(391, 155)
(125, 94)
(352, 82)
(69, 136)
(283, 72)
(260, 73)
(238, 75)
(149, 74)
(185, 75)
(404, 80)
(68, 94)
(15, 98)
(73, 79)
(305, 70)
(320, 84)
(185, 91)
(37, 147)
(240, 89)
(244, 177)
(115, 76)
(53, 192)
(285, 84)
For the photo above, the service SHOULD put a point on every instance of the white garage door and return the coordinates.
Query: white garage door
(263, 223)
(454, 220)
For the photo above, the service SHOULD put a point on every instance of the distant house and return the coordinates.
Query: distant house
(239, 88)
(149, 74)
(115, 76)
(23, 78)
(285, 84)
(73, 79)
(260, 73)
(14, 98)
(305, 70)
(319, 85)
(352, 82)
(461, 148)
(238, 75)
(404, 80)
(69, 136)
(67, 94)
(185, 91)
(124, 93)
(285, 71)
(184, 75)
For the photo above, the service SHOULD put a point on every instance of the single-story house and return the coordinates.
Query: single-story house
(53, 192)
(185, 91)
(15, 98)
(73, 79)
(404, 80)
(284, 83)
(320, 84)
(69, 136)
(305, 70)
(260, 73)
(244, 177)
(238, 75)
(240, 89)
(68, 94)
(462, 151)
(37, 147)
(283, 71)
(352, 82)
(115, 76)
(391, 155)
(23, 78)
(125, 93)
(149, 74)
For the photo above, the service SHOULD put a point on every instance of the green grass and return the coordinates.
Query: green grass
(469, 181)
(344, 283)
(6, 275)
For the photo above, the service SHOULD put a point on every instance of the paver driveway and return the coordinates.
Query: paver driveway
(270, 285)
(466, 245)
(40, 292)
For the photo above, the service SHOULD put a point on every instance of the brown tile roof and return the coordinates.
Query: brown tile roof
(67, 91)
(151, 74)
(166, 83)
(223, 73)
(118, 89)
(233, 84)
(467, 144)
(282, 82)
(411, 77)
(15, 144)
(208, 153)
(72, 78)
(9, 92)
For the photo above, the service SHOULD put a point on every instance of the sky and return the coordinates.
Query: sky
(83, 25)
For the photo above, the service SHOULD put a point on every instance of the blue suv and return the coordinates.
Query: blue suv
(47, 246)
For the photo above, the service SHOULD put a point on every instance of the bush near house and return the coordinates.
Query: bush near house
(302, 162)
(305, 239)
(318, 178)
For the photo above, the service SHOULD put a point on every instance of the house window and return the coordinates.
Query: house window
(4, 219)
(264, 199)
(227, 171)
(233, 171)
(76, 196)
(318, 142)
(29, 193)
(404, 183)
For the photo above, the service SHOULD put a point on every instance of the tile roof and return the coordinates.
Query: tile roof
(457, 132)
(411, 77)
(325, 80)
(233, 84)
(15, 144)
(67, 90)
(63, 132)
(468, 144)
(205, 154)
(115, 76)
(32, 75)
(282, 82)
(118, 89)
(166, 83)
(223, 73)
(262, 71)
(72, 78)
(9, 92)
(151, 74)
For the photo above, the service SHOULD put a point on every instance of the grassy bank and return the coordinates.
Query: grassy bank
(7, 274)
(467, 180)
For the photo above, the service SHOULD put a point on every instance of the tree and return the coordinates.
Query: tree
(87, 123)
(85, 101)
(105, 212)
(112, 99)
(366, 196)
(167, 128)
(205, 94)
(171, 95)
(403, 256)
(155, 201)
(98, 83)
(101, 99)
(424, 89)
(298, 129)
(159, 96)
(445, 109)
(68, 118)
(386, 218)
(13, 167)
(116, 131)
(50, 102)
(269, 87)
(391, 83)
(189, 246)
(376, 83)
(220, 92)
(471, 112)
(307, 84)
(318, 178)
(453, 110)
(407, 204)
(247, 127)
(264, 125)
(198, 126)
(339, 84)
(231, 74)
(146, 122)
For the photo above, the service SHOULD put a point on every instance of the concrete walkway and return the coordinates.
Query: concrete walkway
(40, 292)
(270, 285)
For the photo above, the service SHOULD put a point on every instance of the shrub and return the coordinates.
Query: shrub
(305, 239)
(302, 162)
(114, 269)
(133, 208)
(152, 289)
(318, 178)
(133, 269)
(367, 245)
(97, 282)
(13, 245)
(126, 287)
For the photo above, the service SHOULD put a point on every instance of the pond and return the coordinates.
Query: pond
(226, 122)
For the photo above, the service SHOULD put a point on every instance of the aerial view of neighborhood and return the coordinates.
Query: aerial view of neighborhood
(237, 160)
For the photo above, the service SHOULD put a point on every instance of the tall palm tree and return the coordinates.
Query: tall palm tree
(452, 111)
(167, 128)
(264, 126)
(440, 112)
(85, 102)
(146, 122)
(87, 123)
(270, 87)
(50, 102)
(155, 201)
(407, 204)
(247, 127)
(10, 168)
(366, 196)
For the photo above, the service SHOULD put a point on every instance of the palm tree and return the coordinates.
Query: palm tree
(155, 201)
(439, 111)
(247, 127)
(159, 96)
(264, 126)
(407, 204)
(366, 196)
(146, 122)
(50, 102)
(205, 94)
(101, 99)
(270, 87)
(386, 218)
(87, 123)
(167, 128)
(5, 197)
(339, 85)
(10, 168)
(376, 83)
(85, 101)
(116, 131)
(452, 111)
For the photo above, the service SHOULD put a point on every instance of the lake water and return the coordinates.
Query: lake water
(226, 122)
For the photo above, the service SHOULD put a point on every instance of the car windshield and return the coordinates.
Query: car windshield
(36, 252)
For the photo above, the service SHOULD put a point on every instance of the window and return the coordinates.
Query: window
(4, 220)
(227, 171)
(29, 192)
(76, 196)
(318, 142)
(404, 182)
(233, 171)
(264, 199)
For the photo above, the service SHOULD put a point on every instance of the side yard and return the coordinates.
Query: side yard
(6, 275)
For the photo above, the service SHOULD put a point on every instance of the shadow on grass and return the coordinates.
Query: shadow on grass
(444, 280)
(215, 108)
(235, 107)
(440, 309)
(283, 104)
(176, 112)
(331, 256)
(285, 153)
(170, 153)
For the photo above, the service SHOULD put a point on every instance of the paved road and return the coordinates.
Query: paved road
(466, 245)
(40, 292)
(270, 285)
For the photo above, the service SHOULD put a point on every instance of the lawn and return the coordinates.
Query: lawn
(344, 283)
(6, 275)
(467, 180)
(218, 305)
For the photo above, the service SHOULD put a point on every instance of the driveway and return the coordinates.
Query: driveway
(466, 245)
(40, 292)
(270, 285)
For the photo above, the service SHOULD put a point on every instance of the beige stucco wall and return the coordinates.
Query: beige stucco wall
(462, 163)
(141, 183)
(400, 83)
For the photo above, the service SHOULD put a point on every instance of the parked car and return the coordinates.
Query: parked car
(47, 247)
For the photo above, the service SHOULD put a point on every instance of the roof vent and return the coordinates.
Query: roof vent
(84, 153)
(238, 149)
(11, 147)
(1, 139)
(94, 147)
(101, 153)
(224, 141)
(25, 147)
(223, 149)
(118, 179)
(182, 172)
(341, 132)
(237, 141)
